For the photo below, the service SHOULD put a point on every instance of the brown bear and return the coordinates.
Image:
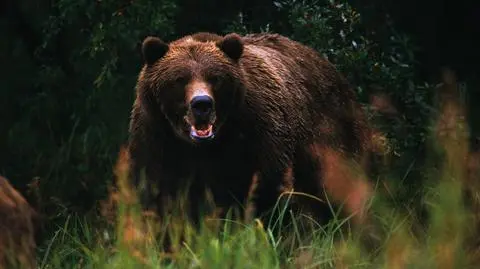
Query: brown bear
(213, 111)
(17, 240)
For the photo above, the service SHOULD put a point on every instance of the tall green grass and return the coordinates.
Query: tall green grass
(445, 238)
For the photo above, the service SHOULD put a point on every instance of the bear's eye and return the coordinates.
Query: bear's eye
(181, 81)
(214, 80)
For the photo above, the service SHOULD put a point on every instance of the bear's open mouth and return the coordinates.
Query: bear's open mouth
(201, 131)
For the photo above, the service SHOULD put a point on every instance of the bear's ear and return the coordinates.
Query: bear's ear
(153, 48)
(232, 46)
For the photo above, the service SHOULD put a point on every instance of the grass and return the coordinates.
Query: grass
(445, 238)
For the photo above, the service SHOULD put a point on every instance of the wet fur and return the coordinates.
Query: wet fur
(289, 98)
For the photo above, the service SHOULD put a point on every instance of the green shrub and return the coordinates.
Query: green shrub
(70, 120)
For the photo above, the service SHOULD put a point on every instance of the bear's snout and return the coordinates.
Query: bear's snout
(202, 108)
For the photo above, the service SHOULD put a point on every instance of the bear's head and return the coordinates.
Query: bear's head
(196, 82)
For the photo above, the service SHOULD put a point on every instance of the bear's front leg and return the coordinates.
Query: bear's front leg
(269, 186)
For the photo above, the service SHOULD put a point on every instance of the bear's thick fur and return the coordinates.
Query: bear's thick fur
(269, 101)
(17, 238)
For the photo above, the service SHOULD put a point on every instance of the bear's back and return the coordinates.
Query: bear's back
(284, 45)
(302, 63)
(302, 76)
(296, 67)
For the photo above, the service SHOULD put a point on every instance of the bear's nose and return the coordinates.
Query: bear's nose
(202, 107)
